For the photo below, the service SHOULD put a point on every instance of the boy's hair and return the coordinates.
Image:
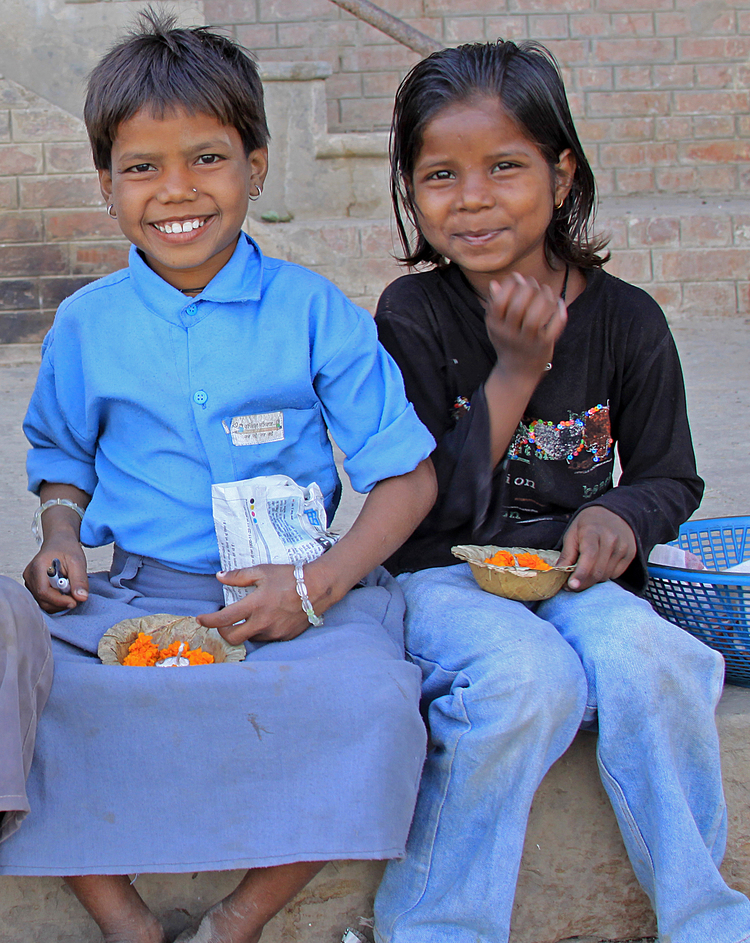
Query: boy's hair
(526, 79)
(160, 68)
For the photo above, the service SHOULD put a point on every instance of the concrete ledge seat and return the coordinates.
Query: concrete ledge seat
(575, 877)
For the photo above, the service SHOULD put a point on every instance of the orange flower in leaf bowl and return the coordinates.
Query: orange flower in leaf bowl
(163, 631)
(515, 572)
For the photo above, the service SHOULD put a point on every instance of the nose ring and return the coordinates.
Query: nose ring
(194, 190)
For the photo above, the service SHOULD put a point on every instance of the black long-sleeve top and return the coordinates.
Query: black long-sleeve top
(615, 378)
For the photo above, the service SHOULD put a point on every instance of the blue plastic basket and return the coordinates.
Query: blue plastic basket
(713, 606)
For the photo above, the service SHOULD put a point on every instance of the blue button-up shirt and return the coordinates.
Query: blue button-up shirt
(145, 398)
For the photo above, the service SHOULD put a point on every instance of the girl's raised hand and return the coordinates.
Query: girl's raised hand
(601, 546)
(272, 612)
(524, 320)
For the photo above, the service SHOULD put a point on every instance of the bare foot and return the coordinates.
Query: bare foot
(221, 924)
(117, 908)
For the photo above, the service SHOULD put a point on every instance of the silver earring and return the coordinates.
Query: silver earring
(258, 194)
(110, 207)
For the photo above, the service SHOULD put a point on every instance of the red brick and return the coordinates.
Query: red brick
(464, 29)
(48, 124)
(20, 159)
(634, 181)
(743, 125)
(659, 231)
(706, 231)
(18, 293)
(506, 27)
(60, 190)
(674, 76)
(715, 76)
(366, 114)
(673, 129)
(632, 265)
(457, 7)
(551, 6)
(711, 103)
(8, 193)
(590, 24)
(716, 152)
(614, 230)
(258, 36)
(377, 59)
(633, 129)
(743, 76)
(549, 26)
(24, 327)
(741, 230)
(718, 298)
(291, 11)
(700, 264)
(333, 113)
(633, 76)
(717, 179)
(601, 104)
(376, 84)
(570, 52)
(52, 291)
(605, 182)
(20, 260)
(633, 24)
(628, 51)
(99, 258)
(672, 24)
(228, 11)
(694, 49)
(668, 297)
(598, 77)
(4, 126)
(676, 179)
(80, 224)
(377, 239)
(317, 33)
(21, 227)
(714, 126)
(626, 6)
(576, 101)
(591, 132)
(67, 158)
(350, 84)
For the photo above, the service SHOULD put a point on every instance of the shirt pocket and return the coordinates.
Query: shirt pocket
(290, 440)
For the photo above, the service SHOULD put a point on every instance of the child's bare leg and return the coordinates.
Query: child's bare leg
(117, 907)
(261, 894)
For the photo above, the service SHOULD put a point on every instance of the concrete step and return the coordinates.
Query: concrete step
(575, 878)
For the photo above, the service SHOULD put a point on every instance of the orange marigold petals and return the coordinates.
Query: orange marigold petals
(532, 560)
(506, 558)
(501, 558)
(144, 654)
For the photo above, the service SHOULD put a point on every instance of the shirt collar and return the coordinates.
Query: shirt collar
(240, 279)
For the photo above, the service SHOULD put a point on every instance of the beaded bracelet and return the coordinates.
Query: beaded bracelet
(35, 528)
(299, 576)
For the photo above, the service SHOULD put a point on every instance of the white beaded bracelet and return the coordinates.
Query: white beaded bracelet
(299, 576)
(35, 528)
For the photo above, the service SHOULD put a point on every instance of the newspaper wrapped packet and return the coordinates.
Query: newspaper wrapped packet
(269, 519)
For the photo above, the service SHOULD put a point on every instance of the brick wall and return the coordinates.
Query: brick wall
(659, 88)
(54, 234)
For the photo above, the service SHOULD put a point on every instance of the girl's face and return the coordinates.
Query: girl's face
(180, 186)
(484, 194)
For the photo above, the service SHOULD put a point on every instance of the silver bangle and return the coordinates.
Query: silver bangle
(299, 576)
(36, 529)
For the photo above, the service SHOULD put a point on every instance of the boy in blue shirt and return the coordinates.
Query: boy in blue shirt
(147, 374)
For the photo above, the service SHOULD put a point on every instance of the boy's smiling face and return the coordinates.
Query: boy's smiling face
(180, 186)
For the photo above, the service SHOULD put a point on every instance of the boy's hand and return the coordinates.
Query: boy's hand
(600, 545)
(524, 320)
(66, 549)
(272, 612)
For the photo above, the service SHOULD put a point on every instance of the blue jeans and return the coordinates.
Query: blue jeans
(506, 687)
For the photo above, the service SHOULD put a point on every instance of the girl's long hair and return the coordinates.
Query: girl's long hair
(526, 79)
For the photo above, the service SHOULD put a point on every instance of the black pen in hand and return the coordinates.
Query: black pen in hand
(56, 579)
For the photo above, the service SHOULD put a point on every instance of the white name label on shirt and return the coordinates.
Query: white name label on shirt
(257, 429)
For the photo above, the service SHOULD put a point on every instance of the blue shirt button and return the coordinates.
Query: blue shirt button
(200, 397)
(191, 309)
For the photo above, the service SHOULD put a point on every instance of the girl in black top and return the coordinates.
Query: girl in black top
(529, 364)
